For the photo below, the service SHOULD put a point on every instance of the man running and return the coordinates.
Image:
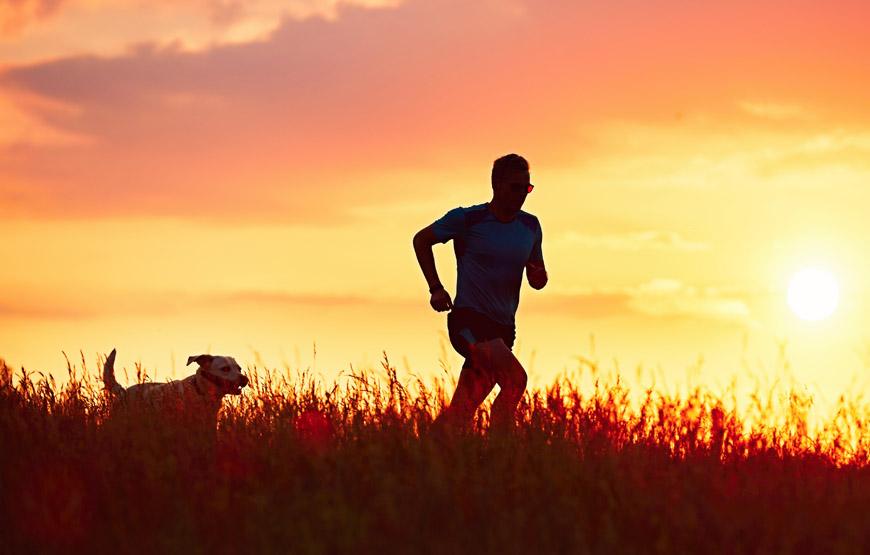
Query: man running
(493, 243)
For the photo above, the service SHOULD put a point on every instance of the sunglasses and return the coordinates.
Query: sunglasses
(521, 187)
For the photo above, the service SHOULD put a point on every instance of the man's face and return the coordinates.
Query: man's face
(512, 191)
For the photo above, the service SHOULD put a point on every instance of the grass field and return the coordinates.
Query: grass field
(306, 467)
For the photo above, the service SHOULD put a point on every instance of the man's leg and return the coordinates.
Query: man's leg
(474, 385)
(475, 379)
(511, 377)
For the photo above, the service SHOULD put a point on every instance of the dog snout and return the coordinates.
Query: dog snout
(243, 381)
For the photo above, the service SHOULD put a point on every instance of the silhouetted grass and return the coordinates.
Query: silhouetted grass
(306, 467)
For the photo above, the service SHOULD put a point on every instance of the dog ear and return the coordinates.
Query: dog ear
(202, 360)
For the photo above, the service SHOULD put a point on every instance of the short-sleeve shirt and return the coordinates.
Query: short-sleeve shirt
(490, 257)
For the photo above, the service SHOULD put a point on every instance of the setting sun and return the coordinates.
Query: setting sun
(813, 294)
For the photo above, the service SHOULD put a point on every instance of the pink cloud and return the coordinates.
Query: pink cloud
(301, 125)
(15, 15)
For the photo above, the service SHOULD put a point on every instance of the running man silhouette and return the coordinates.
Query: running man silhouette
(493, 243)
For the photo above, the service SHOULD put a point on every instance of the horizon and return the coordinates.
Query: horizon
(195, 177)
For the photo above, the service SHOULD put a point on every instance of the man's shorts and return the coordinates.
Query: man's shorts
(461, 321)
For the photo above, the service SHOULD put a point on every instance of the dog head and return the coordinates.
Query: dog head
(224, 372)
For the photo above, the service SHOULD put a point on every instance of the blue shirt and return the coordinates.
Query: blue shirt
(490, 257)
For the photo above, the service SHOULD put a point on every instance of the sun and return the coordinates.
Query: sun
(813, 294)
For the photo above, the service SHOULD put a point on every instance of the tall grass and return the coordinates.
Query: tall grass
(301, 466)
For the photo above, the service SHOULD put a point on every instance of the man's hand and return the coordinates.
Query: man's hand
(536, 274)
(440, 300)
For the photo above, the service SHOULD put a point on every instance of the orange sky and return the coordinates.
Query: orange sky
(200, 175)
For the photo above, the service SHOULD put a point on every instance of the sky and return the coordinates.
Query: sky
(245, 177)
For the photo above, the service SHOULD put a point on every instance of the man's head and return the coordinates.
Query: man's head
(510, 182)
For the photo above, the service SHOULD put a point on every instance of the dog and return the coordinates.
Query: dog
(196, 398)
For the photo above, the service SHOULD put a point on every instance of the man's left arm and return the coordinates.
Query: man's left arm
(536, 273)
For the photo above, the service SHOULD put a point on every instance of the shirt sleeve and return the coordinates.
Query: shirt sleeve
(449, 226)
(537, 254)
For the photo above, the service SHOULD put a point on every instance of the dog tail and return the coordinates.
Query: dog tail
(109, 381)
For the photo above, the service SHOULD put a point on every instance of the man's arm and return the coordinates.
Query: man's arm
(423, 241)
(535, 271)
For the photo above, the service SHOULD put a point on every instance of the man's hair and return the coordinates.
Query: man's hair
(507, 164)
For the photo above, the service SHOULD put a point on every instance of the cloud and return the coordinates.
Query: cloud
(643, 240)
(20, 126)
(590, 304)
(15, 15)
(657, 299)
(774, 110)
(275, 298)
(309, 119)
(670, 297)
(169, 303)
(266, 129)
(226, 12)
(24, 310)
(222, 19)
(829, 152)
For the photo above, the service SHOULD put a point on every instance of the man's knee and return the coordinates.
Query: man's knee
(518, 379)
(513, 377)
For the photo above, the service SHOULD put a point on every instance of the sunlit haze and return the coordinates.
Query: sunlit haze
(245, 178)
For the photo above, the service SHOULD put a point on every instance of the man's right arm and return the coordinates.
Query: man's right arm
(423, 241)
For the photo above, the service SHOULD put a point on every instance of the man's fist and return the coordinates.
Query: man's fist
(536, 274)
(440, 300)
